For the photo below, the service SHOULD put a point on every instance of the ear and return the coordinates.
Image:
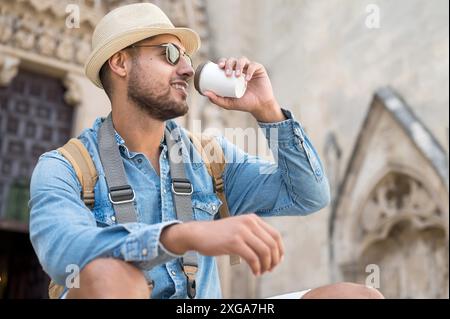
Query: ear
(119, 64)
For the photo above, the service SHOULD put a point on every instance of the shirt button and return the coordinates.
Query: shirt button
(307, 153)
(214, 207)
(164, 190)
(113, 218)
(173, 272)
(139, 160)
(144, 252)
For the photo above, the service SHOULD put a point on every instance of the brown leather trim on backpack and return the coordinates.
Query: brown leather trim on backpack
(76, 153)
(55, 291)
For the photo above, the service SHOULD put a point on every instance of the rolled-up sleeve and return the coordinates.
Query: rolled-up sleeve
(294, 184)
(63, 231)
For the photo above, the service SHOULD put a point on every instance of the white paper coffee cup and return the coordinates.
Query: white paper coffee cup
(210, 77)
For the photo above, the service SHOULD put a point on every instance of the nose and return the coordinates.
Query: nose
(185, 69)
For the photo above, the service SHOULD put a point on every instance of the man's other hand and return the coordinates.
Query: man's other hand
(248, 236)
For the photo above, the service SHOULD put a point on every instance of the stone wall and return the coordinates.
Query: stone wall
(325, 65)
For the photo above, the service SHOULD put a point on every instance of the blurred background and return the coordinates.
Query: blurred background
(368, 80)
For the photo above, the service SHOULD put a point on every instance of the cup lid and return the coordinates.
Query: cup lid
(197, 76)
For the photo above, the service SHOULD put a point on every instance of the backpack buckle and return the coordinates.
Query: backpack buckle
(182, 186)
(121, 194)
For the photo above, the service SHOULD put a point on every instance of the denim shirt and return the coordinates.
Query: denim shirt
(65, 232)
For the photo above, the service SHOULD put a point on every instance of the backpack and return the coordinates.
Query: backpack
(78, 156)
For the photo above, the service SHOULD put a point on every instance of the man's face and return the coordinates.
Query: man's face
(156, 86)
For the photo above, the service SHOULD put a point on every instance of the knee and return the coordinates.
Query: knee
(111, 278)
(358, 291)
(344, 290)
(373, 293)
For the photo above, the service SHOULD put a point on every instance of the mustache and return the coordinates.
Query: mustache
(181, 78)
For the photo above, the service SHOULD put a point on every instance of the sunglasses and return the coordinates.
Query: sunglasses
(173, 52)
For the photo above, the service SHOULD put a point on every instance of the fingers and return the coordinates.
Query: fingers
(252, 259)
(272, 238)
(275, 235)
(271, 243)
(262, 250)
(226, 103)
(233, 64)
(221, 62)
(252, 68)
(229, 66)
(265, 241)
(241, 64)
(248, 236)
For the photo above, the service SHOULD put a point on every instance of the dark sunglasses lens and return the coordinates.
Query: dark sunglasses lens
(173, 54)
(188, 59)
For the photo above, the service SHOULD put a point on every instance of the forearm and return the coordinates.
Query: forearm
(59, 246)
(176, 238)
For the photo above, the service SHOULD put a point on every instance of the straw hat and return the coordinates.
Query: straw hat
(129, 24)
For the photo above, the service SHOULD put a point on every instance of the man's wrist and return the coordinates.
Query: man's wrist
(175, 238)
(269, 113)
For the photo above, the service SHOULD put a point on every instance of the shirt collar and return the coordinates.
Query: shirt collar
(170, 125)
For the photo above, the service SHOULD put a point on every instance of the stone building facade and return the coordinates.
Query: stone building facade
(373, 98)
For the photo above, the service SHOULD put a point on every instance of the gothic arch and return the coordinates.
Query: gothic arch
(392, 207)
(376, 214)
(399, 228)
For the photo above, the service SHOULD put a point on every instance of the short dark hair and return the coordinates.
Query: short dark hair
(105, 78)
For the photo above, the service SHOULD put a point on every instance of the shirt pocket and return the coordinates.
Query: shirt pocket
(205, 206)
(102, 211)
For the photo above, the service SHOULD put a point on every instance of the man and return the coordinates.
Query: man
(144, 65)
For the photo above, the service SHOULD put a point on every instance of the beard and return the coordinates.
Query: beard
(158, 103)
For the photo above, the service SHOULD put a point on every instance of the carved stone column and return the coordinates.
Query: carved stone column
(73, 90)
(9, 66)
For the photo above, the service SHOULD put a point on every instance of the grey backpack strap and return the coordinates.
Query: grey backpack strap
(182, 190)
(120, 192)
